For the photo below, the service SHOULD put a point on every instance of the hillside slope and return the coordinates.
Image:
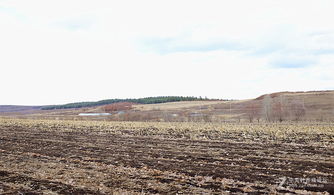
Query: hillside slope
(12, 108)
(275, 107)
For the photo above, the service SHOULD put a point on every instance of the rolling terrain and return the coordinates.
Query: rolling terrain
(280, 143)
(282, 106)
(18, 109)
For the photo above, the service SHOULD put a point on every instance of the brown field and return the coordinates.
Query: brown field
(87, 157)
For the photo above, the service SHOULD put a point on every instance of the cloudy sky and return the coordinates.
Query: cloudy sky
(63, 51)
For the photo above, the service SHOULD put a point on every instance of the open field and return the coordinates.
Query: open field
(87, 157)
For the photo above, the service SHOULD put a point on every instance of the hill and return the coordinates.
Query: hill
(147, 100)
(75, 105)
(13, 108)
(274, 107)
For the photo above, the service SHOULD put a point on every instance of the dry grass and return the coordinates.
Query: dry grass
(175, 105)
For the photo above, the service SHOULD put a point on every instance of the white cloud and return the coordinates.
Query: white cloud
(64, 51)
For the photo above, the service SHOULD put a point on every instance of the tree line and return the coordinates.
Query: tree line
(278, 109)
(147, 100)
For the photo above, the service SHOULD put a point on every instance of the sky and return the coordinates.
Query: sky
(55, 52)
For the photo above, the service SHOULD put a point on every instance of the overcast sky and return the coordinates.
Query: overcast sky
(61, 51)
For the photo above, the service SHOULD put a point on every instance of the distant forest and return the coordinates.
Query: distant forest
(147, 100)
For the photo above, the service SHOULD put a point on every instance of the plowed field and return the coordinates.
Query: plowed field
(84, 157)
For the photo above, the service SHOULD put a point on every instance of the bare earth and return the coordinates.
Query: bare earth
(71, 157)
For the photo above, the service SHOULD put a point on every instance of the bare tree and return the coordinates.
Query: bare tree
(251, 111)
(298, 109)
(267, 101)
(277, 111)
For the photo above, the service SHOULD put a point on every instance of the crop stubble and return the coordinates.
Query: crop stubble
(87, 157)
